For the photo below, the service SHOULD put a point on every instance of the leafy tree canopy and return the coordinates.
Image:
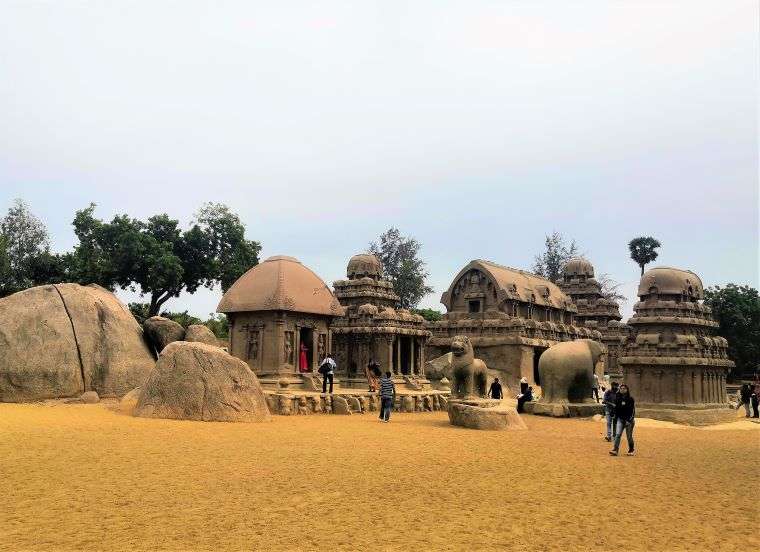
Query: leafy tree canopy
(737, 310)
(431, 315)
(643, 250)
(402, 266)
(158, 257)
(550, 263)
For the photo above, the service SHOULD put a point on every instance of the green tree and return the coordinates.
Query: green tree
(25, 238)
(402, 266)
(158, 257)
(643, 250)
(431, 315)
(737, 310)
(549, 264)
(219, 324)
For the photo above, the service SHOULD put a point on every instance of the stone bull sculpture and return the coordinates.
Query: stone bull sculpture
(567, 371)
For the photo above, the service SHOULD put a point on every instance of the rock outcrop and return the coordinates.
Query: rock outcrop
(62, 340)
(195, 381)
(201, 334)
(161, 331)
(485, 414)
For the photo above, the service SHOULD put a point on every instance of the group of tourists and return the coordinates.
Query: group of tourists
(749, 395)
(620, 411)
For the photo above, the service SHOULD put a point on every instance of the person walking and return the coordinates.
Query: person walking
(495, 391)
(372, 372)
(745, 394)
(625, 413)
(595, 387)
(387, 395)
(755, 399)
(327, 369)
(609, 409)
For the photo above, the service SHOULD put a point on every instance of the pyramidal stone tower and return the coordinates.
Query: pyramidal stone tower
(595, 311)
(674, 363)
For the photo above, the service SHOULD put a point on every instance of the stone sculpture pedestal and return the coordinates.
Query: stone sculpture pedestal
(485, 414)
(564, 410)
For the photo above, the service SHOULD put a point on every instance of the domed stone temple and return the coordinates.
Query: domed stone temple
(280, 314)
(674, 364)
(594, 310)
(511, 317)
(373, 329)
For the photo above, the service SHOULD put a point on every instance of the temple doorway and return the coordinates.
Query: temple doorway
(306, 352)
(405, 342)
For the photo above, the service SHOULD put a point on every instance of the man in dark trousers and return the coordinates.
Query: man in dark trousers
(387, 395)
(327, 369)
(609, 410)
(495, 391)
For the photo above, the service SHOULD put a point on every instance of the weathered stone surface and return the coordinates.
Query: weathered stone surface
(485, 414)
(354, 404)
(90, 397)
(62, 340)
(128, 402)
(566, 371)
(340, 405)
(469, 374)
(201, 334)
(161, 331)
(195, 381)
(564, 410)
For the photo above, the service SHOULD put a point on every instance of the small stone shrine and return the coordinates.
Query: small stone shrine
(373, 329)
(594, 310)
(280, 314)
(674, 364)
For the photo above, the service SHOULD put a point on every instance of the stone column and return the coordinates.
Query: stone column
(412, 371)
(421, 362)
(397, 368)
(389, 361)
(315, 360)
(702, 387)
(679, 387)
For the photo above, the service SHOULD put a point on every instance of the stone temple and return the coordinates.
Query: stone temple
(674, 364)
(594, 310)
(373, 329)
(280, 314)
(511, 317)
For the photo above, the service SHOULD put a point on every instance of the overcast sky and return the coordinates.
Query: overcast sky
(477, 127)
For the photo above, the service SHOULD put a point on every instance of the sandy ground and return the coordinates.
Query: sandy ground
(87, 477)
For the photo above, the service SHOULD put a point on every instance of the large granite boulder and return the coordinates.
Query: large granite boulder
(195, 381)
(161, 331)
(201, 334)
(62, 340)
(485, 414)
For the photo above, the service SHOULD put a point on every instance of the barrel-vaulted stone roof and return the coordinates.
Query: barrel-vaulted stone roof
(280, 283)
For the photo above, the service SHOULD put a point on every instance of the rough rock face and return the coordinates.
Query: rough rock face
(201, 334)
(62, 340)
(161, 331)
(566, 371)
(195, 381)
(485, 414)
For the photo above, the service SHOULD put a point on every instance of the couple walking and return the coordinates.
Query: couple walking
(620, 410)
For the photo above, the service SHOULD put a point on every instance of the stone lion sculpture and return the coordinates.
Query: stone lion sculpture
(469, 374)
(567, 370)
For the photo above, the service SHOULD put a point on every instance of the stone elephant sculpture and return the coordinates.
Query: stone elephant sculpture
(566, 371)
(469, 374)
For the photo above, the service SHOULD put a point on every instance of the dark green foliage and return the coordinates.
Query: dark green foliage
(217, 323)
(551, 262)
(159, 258)
(402, 266)
(643, 250)
(737, 310)
(431, 315)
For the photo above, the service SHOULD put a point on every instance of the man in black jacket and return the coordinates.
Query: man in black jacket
(625, 413)
(609, 409)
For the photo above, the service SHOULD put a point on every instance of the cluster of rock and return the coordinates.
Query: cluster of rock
(63, 340)
(285, 404)
(161, 331)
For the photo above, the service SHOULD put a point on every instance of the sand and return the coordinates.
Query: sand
(86, 477)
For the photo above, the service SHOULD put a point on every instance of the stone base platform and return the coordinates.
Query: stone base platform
(697, 415)
(564, 410)
(289, 402)
(485, 414)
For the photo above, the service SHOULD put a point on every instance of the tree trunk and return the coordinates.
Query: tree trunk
(157, 299)
(642, 269)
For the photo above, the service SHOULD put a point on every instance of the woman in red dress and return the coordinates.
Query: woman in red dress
(303, 364)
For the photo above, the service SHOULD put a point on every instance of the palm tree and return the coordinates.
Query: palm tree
(643, 250)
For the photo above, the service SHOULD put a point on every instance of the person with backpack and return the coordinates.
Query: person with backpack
(609, 409)
(625, 413)
(387, 396)
(327, 369)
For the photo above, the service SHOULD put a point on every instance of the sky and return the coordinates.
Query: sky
(477, 127)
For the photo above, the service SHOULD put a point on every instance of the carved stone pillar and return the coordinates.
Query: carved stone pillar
(421, 362)
(412, 370)
(397, 367)
(389, 361)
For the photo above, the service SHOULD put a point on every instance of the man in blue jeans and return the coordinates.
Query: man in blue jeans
(625, 414)
(387, 394)
(609, 410)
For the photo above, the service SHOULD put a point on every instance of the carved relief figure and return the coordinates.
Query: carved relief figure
(289, 348)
